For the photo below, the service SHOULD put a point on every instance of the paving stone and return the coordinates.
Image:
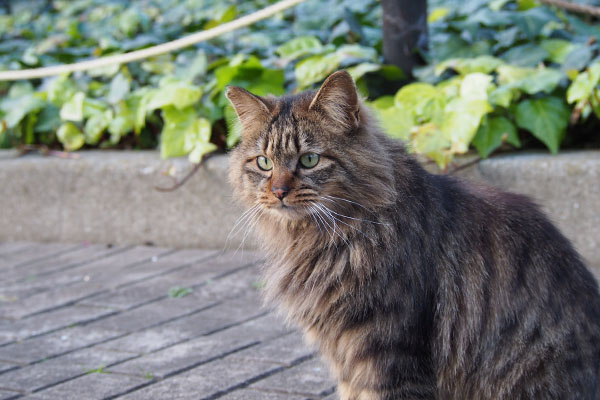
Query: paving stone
(32, 272)
(54, 371)
(53, 344)
(250, 394)
(196, 274)
(287, 350)
(4, 366)
(196, 351)
(309, 378)
(8, 395)
(80, 282)
(92, 386)
(56, 319)
(7, 248)
(205, 381)
(34, 253)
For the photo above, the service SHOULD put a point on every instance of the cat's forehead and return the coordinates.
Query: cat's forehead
(291, 130)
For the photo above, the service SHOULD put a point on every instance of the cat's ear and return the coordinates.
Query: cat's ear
(337, 98)
(252, 110)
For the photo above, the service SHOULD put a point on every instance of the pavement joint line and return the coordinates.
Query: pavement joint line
(17, 250)
(110, 252)
(69, 249)
(71, 302)
(200, 260)
(78, 323)
(116, 312)
(154, 380)
(258, 378)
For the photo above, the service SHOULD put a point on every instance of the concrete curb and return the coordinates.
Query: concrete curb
(108, 197)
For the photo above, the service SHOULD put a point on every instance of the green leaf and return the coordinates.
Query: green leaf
(357, 71)
(422, 101)
(461, 122)
(428, 140)
(178, 292)
(124, 120)
(437, 14)
(484, 64)
(475, 86)
(396, 122)
(16, 108)
(72, 110)
(582, 87)
(547, 118)
(197, 140)
(299, 47)
(96, 125)
(316, 68)
(492, 133)
(234, 128)
(177, 125)
(119, 88)
(61, 89)
(529, 80)
(178, 94)
(558, 49)
(526, 55)
(70, 136)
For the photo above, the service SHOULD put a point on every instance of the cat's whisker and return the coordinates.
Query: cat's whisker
(326, 225)
(330, 197)
(312, 216)
(239, 223)
(249, 226)
(351, 226)
(356, 219)
(241, 218)
(333, 221)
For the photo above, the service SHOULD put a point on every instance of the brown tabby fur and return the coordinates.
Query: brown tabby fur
(412, 285)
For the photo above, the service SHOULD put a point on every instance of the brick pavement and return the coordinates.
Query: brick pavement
(108, 322)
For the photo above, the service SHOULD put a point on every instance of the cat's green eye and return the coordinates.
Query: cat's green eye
(309, 160)
(264, 163)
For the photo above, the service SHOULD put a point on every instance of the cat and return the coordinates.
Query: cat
(411, 285)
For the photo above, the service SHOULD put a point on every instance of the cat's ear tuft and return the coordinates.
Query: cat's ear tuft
(338, 99)
(252, 110)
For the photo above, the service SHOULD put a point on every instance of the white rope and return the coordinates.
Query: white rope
(150, 51)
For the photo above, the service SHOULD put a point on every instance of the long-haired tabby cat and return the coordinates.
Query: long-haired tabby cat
(412, 285)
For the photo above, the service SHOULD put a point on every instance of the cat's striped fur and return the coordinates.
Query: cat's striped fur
(412, 285)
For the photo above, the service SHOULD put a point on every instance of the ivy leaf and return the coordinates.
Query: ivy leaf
(96, 125)
(357, 71)
(464, 66)
(582, 87)
(197, 140)
(177, 125)
(70, 136)
(316, 68)
(299, 47)
(178, 94)
(461, 120)
(119, 87)
(546, 118)
(428, 140)
(396, 122)
(558, 49)
(72, 110)
(492, 132)
(16, 108)
(422, 101)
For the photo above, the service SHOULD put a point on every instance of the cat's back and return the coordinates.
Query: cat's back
(519, 311)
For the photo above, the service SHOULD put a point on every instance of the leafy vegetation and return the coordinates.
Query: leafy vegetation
(178, 292)
(499, 73)
(497, 69)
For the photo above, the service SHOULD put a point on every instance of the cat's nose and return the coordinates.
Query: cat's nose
(280, 191)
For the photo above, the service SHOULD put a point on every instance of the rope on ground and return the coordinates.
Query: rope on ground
(153, 51)
(576, 8)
